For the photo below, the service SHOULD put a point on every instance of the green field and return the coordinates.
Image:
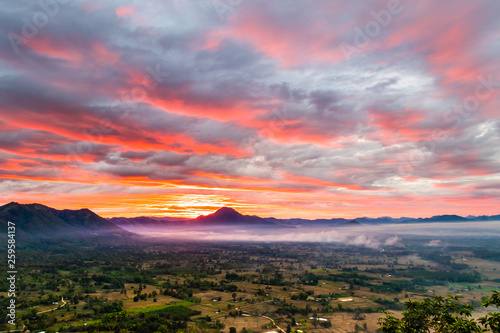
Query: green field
(211, 287)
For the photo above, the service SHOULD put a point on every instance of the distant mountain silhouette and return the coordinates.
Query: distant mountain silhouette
(351, 223)
(39, 221)
(35, 220)
(229, 216)
(439, 218)
(382, 220)
(446, 218)
(141, 222)
(226, 215)
(485, 218)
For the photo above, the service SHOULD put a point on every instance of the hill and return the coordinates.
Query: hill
(38, 221)
(226, 215)
(229, 216)
(439, 218)
(138, 222)
(351, 223)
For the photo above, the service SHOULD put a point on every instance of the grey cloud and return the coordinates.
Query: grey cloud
(169, 158)
(137, 154)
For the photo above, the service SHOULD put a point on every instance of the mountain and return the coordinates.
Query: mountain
(39, 221)
(226, 215)
(170, 219)
(351, 223)
(438, 218)
(485, 218)
(229, 216)
(381, 220)
(140, 222)
(446, 218)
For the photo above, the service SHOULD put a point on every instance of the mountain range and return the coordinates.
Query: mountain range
(39, 221)
(36, 220)
(229, 216)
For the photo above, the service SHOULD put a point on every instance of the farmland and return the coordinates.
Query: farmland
(212, 287)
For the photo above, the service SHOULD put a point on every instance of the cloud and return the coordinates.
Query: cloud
(259, 102)
(363, 240)
(368, 236)
(435, 243)
(125, 11)
(392, 240)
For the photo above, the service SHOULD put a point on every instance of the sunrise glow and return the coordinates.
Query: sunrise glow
(312, 110)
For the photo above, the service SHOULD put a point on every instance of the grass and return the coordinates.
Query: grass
(157, 308)
(164, 305)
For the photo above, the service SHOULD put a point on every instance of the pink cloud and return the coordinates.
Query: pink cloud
(125, 11)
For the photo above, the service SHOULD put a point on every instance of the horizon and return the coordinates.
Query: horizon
(305, 110)
(243, 213)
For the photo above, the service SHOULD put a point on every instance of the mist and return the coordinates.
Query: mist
(372, 236)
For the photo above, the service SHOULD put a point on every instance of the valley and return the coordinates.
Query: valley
(196, 286)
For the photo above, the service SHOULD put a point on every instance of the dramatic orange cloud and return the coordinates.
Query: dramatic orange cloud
(176, 109)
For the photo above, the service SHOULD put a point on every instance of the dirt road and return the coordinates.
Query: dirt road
(272, 320)
(62, 301)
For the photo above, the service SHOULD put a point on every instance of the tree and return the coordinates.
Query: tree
(232, 329)
(492, 319)
(33, 312)
(113, 320)
(288, 328)
(440, 314)
(358, 315)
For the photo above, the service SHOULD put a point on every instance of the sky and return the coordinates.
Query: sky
(312, 109)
